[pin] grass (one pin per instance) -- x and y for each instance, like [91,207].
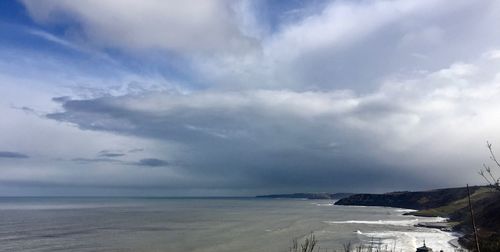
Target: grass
[449,209]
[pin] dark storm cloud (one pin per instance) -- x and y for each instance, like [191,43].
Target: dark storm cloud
[9,154]
[28,109]
[135,150]
[61,99]
[94,160]
[248,139]
[110,154]
[152,162]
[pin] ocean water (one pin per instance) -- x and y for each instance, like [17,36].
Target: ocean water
[203,224]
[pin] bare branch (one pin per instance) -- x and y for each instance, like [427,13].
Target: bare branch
[481,172]
[492,157]
[487,172]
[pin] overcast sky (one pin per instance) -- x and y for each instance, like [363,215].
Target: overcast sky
[222,97]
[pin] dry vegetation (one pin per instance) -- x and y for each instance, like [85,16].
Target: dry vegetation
[487,173]
[310,244]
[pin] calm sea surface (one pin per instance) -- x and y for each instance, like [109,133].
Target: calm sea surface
[165,224]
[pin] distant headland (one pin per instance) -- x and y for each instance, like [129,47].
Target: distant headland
[307,196]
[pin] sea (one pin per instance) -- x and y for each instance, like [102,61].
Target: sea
[206,225]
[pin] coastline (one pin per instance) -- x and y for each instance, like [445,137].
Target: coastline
[444,226]
[452,203]
[404,232]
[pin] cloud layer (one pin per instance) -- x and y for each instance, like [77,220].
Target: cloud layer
[170,25]
[246,97]
[309,135]
[9,154]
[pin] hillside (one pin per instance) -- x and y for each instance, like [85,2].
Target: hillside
[451,203]
[411,200]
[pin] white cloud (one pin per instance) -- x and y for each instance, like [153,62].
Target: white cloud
[341,23]
[344,45]
[172,25]
[493,54]
[353,45]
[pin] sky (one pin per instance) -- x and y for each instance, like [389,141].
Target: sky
[246,97]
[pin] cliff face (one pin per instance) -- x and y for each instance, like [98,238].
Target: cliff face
[411,200]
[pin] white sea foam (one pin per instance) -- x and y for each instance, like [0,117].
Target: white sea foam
[378,222]
[410,240]
[403,210]
[404,240]
[408,222]
[323,204]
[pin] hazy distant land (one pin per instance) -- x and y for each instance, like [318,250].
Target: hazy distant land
[307,196]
